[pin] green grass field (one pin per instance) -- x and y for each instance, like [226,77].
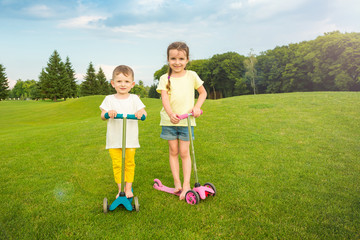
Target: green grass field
[286,166]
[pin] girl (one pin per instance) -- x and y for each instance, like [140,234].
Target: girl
[178,97]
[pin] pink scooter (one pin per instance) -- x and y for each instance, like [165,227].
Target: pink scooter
[198,192]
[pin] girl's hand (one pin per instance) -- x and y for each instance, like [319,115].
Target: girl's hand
[139,113]
[112,113]
[174,118]
[196,112]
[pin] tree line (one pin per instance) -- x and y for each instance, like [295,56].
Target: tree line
[328,63]
[57,81]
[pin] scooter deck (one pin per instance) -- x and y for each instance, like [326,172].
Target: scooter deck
[159,186]
[126,202]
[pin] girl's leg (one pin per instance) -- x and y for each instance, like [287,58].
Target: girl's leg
[186,165]
[174,163]
[129,171]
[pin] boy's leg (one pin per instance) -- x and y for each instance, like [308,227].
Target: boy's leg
[186,165]
[129,171]
[174,163]
[116,156]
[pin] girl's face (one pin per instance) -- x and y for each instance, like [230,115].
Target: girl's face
[177,61]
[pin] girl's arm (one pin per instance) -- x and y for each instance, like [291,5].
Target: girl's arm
[201,99]
[166,104]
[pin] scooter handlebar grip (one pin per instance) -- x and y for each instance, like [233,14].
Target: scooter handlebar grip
[129,116]
[183,116]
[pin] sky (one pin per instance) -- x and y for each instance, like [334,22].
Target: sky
[136,33]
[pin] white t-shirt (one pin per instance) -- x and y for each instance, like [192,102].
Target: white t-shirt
[114,126]
[181,96]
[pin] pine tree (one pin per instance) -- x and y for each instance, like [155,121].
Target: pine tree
[71,90]
[53,79]
[90,85]
[103,84]
[4,84]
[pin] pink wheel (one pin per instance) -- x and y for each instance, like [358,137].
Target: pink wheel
[210,185]
[192,197]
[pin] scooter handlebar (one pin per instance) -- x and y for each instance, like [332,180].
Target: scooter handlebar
[183,116]
[128,116]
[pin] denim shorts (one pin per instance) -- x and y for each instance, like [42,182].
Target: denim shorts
[175,132]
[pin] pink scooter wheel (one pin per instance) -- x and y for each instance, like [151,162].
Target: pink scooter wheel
[192,197]
[210,185]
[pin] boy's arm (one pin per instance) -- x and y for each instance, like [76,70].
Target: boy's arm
[166,103]
[103,114]
[201,99]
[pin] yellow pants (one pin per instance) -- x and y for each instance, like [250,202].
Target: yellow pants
[116,156]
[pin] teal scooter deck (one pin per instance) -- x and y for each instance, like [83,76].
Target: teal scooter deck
[126,202]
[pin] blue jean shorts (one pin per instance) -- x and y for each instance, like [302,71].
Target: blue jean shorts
[175,132]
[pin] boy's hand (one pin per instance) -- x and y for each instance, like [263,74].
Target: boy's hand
[112,113]
[139,113]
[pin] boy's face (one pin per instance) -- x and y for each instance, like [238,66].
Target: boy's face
[122,84]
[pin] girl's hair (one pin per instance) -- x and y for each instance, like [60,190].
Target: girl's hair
[180,46]
[126,70]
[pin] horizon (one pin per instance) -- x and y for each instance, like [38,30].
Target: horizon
[137,33]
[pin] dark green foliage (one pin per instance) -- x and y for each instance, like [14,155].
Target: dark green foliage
[103,83]
[328,63]
[152,92]
[90,85]
[57,79]
[71,87]
[4,85]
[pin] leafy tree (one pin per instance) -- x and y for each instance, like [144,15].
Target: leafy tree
[4,84]
[26,89]
[160,72]
[18,90]
[139,89]
[152,92]
[249,64]
[224,70]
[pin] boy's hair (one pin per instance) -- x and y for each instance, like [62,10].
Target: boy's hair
[126,70]
[180,46]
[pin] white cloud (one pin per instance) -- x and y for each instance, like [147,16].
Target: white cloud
[88,22]
[41,11]
[153,30]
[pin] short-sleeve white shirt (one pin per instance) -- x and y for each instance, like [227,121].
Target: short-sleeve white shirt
[181,96]
[115,126]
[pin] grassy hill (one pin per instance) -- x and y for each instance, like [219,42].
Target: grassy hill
[286,166]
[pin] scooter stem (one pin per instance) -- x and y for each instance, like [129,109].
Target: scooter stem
[123,154]
[192,148]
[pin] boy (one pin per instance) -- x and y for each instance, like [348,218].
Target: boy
[124,103]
